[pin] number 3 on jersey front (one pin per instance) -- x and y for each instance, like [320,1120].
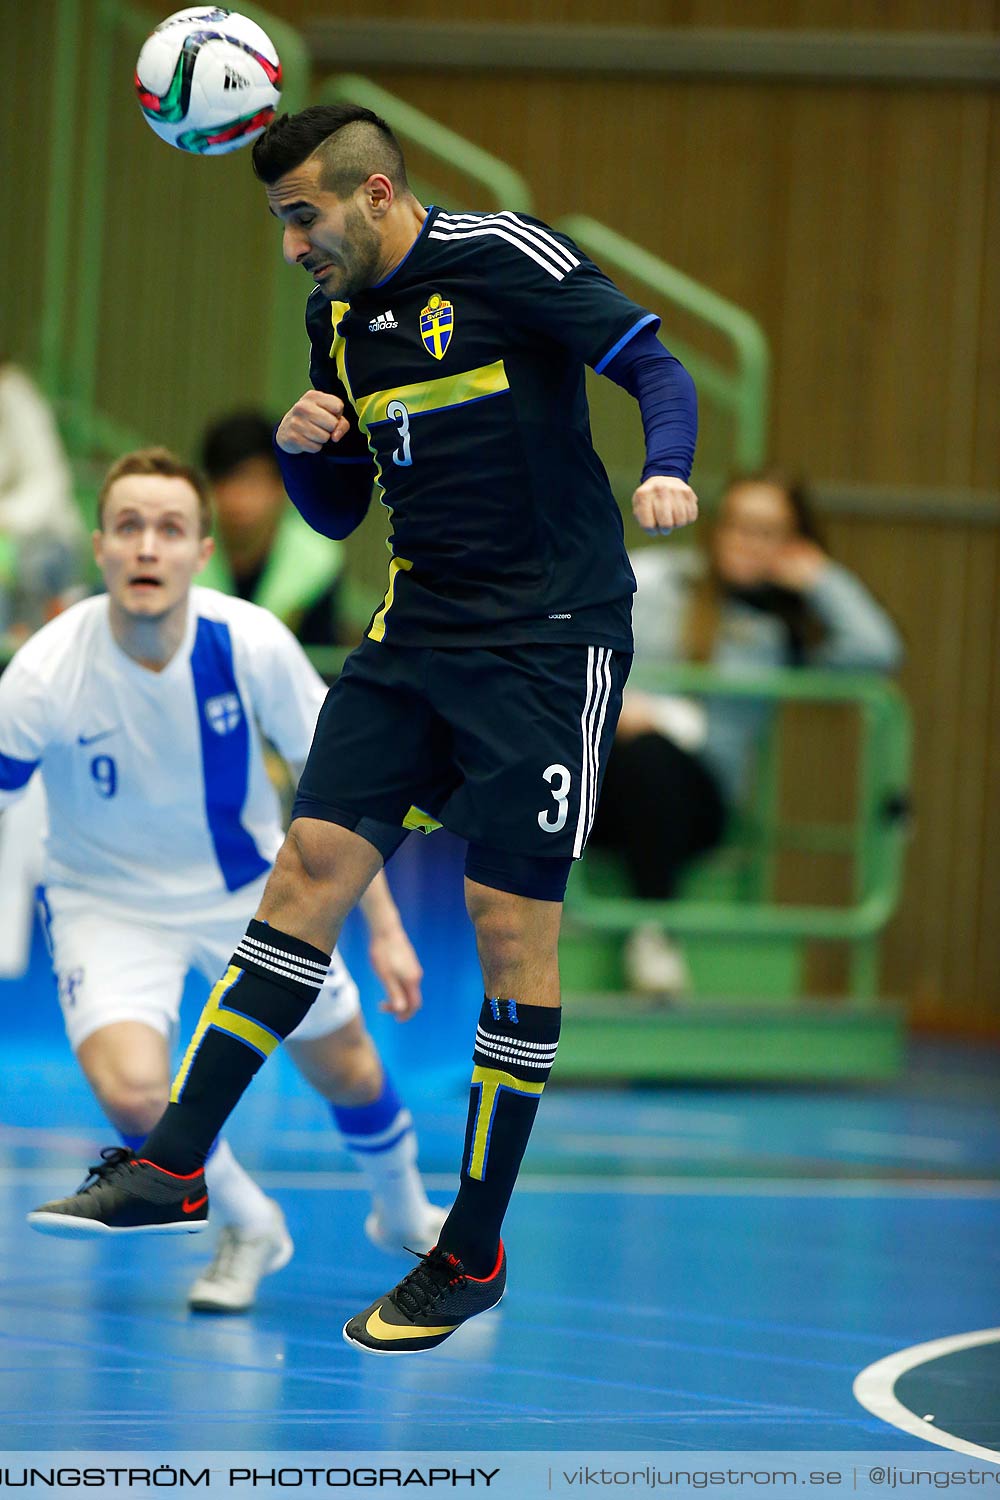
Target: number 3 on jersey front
[397,412]
[553,820]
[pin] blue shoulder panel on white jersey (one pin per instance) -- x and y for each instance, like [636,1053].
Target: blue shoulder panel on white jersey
[225,753]
[15,773]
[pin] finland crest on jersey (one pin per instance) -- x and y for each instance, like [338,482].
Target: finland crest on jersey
[437,324]
[224,712]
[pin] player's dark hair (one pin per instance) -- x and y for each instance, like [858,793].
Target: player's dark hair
[356,142]
[158,461]
[235,439]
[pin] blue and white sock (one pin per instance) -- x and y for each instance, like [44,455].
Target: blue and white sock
[383,1143]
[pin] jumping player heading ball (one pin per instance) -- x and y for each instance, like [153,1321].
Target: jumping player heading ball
[448,358]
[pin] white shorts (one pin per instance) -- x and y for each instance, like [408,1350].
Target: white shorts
[118,965]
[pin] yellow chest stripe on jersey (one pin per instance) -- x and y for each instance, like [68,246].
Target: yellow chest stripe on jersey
[433,395]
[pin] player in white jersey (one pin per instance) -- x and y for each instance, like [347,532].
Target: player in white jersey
[144,711]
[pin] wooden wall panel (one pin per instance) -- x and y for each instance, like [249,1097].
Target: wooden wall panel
[818,15]
[987,356]
[24,109]
[942,584]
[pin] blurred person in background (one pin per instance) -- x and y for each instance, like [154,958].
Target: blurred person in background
[766,595]
[41,532]
[265,551]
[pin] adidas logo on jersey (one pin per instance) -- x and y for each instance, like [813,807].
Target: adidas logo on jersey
[383,321]
[234,80]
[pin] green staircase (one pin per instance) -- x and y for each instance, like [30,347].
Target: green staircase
[748,1015]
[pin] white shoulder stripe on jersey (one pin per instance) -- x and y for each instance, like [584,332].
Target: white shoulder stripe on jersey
[501,234]
[532,232]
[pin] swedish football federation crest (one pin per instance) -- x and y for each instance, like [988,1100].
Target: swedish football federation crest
[437,323]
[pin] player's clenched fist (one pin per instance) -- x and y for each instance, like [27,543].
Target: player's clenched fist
[316,418]
[661,504]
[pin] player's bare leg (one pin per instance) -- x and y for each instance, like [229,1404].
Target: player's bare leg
[320,874]
[518,944]
[127,1065]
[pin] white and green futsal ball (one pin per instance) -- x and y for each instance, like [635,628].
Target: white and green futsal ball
[208,80]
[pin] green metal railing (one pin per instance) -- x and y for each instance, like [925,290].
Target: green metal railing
[499,181]
[742,390]
[876,838]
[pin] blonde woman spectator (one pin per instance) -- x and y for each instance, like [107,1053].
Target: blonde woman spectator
[767,595]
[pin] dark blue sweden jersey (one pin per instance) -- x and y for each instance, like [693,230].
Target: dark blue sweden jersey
[463,374]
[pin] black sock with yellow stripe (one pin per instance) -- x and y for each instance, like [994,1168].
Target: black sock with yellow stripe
[270,983]
[514,1053]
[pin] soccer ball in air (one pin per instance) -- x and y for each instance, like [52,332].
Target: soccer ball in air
[208,80]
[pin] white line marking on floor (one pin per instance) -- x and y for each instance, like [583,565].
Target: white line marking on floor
[874,1389]
[883,1143]
[655,1187]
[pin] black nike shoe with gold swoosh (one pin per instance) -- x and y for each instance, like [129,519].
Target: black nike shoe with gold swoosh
[427,1306]
[123,1194]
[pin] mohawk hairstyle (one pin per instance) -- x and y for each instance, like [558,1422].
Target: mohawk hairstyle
[353,142]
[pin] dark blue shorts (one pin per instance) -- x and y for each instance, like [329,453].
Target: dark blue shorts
[506,747]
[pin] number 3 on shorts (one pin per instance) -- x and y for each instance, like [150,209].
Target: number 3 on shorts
[553,820]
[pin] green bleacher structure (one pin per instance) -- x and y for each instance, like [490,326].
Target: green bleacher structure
[745,947]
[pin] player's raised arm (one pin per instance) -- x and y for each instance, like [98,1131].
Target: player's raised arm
[666,395]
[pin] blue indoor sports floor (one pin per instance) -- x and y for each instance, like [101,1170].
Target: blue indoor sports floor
[690,1269]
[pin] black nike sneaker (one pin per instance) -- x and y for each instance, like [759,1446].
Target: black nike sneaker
[427,1306]
[124,1195]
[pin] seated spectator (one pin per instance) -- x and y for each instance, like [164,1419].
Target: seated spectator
[265,552]
[766,596]
[41,530]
